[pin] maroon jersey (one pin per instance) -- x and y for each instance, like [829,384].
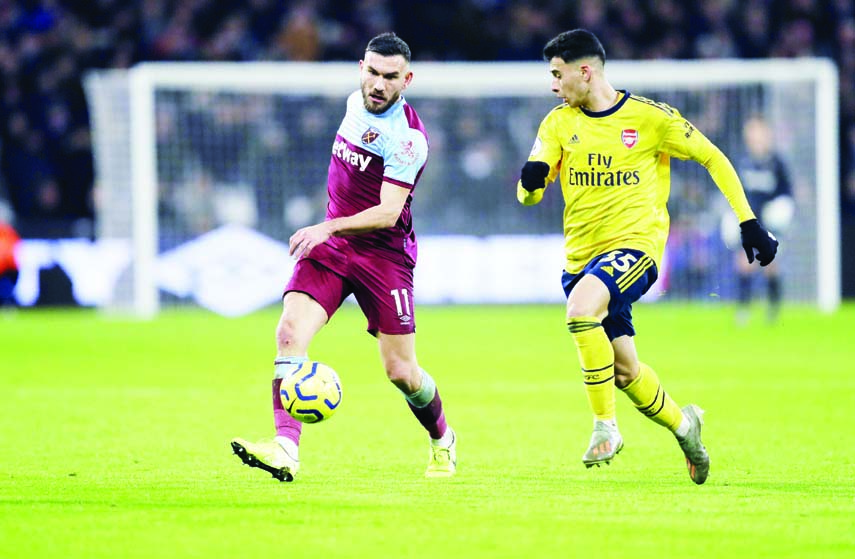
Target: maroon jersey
[368,150]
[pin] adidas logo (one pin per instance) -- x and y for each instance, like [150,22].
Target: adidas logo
[574,139]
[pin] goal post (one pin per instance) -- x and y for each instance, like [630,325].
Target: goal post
[200,146]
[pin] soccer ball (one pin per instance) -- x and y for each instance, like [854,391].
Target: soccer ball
[312,393]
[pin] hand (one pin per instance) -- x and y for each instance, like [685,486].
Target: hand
[754,237]
[533,175]
[307,238]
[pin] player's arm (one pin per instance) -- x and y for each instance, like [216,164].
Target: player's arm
[383,215]
[542,166]
[532,183]
[756,241]
[683,140]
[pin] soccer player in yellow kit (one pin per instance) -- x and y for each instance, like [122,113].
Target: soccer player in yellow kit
[611,151]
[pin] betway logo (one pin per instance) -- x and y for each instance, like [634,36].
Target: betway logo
[341,150]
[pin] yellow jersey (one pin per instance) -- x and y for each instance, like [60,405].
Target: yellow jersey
[615,174]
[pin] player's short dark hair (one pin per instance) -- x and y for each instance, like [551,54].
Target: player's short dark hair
[573,45]
[389,44]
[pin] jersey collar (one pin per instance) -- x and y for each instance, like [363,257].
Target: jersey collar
[611,110]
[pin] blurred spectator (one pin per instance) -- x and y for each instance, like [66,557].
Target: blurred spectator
[752,29]
[299,37]
[716,38]
[533,27]
[46,46]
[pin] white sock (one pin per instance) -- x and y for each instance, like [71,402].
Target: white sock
[445,440]
[289,446]
[284,367]
[610,422]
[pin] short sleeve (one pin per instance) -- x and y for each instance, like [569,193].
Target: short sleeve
[405,157]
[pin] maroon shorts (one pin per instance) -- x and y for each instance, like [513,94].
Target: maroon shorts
[383,288]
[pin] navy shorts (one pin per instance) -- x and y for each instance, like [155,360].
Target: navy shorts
[628,274]
[383,288]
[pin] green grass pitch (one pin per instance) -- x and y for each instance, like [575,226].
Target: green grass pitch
[114,440]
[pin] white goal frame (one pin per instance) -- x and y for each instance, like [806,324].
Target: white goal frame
[475,80]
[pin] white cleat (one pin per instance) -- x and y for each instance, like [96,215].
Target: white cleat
[268,456]
[697,459]
[606,442]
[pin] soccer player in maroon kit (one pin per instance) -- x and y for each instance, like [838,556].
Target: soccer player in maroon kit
[366,246]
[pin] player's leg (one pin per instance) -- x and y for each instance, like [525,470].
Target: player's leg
[638,380]
[384,291]
[418,387]
[302,317]
[397,352]
[587,306]
[609,285]
[311,297]
[300,320]
[650,398]
[641,384]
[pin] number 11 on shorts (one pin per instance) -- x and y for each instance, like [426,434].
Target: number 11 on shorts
[400,296]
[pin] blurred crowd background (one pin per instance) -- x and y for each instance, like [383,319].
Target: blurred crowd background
[46,46]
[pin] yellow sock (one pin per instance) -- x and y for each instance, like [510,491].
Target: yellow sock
[650,398]
[597,359]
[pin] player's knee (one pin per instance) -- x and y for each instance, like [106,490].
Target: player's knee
[625,373]
[403,374]
[579,308]
[286,334]
[574,313]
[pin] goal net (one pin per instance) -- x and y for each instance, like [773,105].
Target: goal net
[206,169]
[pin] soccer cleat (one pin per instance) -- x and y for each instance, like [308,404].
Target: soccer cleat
[697,459]
[268,456]
[443,459]
[606,442]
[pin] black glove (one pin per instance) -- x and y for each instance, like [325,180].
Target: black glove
[533,175]
[755,237]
